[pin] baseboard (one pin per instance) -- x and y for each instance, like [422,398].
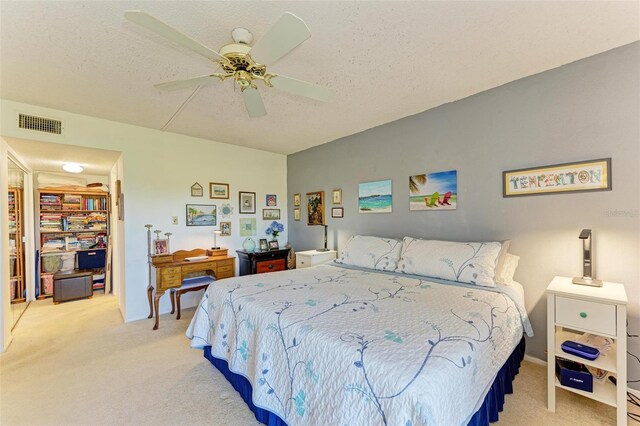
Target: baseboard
[535,360]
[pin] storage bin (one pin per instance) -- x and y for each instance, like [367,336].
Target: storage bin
[58,262]
[574,375]
[91,259]
[47,283]
[72,286]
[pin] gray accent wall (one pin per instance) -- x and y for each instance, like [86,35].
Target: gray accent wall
[585,110]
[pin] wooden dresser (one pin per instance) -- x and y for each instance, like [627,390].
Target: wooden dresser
[259,262]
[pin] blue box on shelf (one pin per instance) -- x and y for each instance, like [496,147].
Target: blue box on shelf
[574,375]
[91,259]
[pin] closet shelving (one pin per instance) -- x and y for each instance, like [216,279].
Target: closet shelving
[16,253]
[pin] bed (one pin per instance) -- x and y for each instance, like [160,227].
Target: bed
[338,344]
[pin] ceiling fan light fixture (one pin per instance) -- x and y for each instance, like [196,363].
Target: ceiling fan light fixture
[242,35]
[72,167]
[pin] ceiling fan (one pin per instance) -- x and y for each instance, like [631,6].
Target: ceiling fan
[241,61]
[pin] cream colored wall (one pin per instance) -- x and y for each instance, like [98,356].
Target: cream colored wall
[158,171]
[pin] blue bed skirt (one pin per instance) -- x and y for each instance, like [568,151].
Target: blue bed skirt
[488,412]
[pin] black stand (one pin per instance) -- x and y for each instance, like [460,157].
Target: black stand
[325,239]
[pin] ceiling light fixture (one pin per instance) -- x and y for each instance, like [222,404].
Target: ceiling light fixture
[72,167]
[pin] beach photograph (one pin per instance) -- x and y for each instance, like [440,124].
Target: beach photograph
[375,197]
[433,191]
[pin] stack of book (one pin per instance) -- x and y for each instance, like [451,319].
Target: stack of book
[72,202]
[96,203]
[76,222]
[50,222]
[87,240]
[50,202]
[97,221]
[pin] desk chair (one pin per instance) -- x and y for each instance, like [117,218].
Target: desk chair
[188,284]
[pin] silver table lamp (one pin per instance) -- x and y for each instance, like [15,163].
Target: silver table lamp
[587,262]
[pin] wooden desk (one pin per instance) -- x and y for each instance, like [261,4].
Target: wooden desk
[172,269]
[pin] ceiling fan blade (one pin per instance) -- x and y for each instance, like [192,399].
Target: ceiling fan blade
[157,26]
[204,80]
[302,88]
[287,33]
[253,102]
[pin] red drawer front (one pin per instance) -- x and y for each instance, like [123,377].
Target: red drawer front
[270,266]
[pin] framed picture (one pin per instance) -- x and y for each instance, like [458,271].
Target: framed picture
[263,244]
[196,190]
[273,245]
[315,208]
[296,199]
[219,190]
[270,214]
[160,246]
[201,215]
[271,200]
[594,175]
[247,202]
[296,213]
[248,227]
[225,229]
[433,191]
[375,197]
[337,212]
[336,196]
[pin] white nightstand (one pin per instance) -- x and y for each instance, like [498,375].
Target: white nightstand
[596,310]
[304,259]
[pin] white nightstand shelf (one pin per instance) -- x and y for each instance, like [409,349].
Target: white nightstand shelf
[572,309]
[305,259]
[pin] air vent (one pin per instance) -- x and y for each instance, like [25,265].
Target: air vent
[40,124]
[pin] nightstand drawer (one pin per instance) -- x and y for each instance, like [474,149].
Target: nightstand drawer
[585,315]
[270,266]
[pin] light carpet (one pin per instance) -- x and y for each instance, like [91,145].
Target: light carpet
[76,363]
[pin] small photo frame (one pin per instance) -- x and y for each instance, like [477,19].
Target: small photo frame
[297,199]
[247,202]
[271,200]
[197,190]
[160,246]
[296,213]
[263,244]
[270,214]
[337,212]
[225,229]
[273,245]
[336,196]
[219,190]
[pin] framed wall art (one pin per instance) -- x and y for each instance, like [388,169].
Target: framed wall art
[315,208]
[296,213]
[271,200]
[433,191]
[201,215]
[247,202]
[594,175]
[197,190]
[225,229]
[296,199]
[337,212]
[219,190]
[336,196]
[248,227]
[270,214]
[375,197]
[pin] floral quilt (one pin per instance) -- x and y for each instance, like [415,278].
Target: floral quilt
[330,345]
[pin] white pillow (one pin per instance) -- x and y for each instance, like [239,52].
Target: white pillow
[509,266]
[473,263]
[371,252]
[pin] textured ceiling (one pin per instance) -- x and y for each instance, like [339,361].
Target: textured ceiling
[386,60]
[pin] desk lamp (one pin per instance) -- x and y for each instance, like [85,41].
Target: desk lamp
[216,232]
[587,262]
[325,238]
